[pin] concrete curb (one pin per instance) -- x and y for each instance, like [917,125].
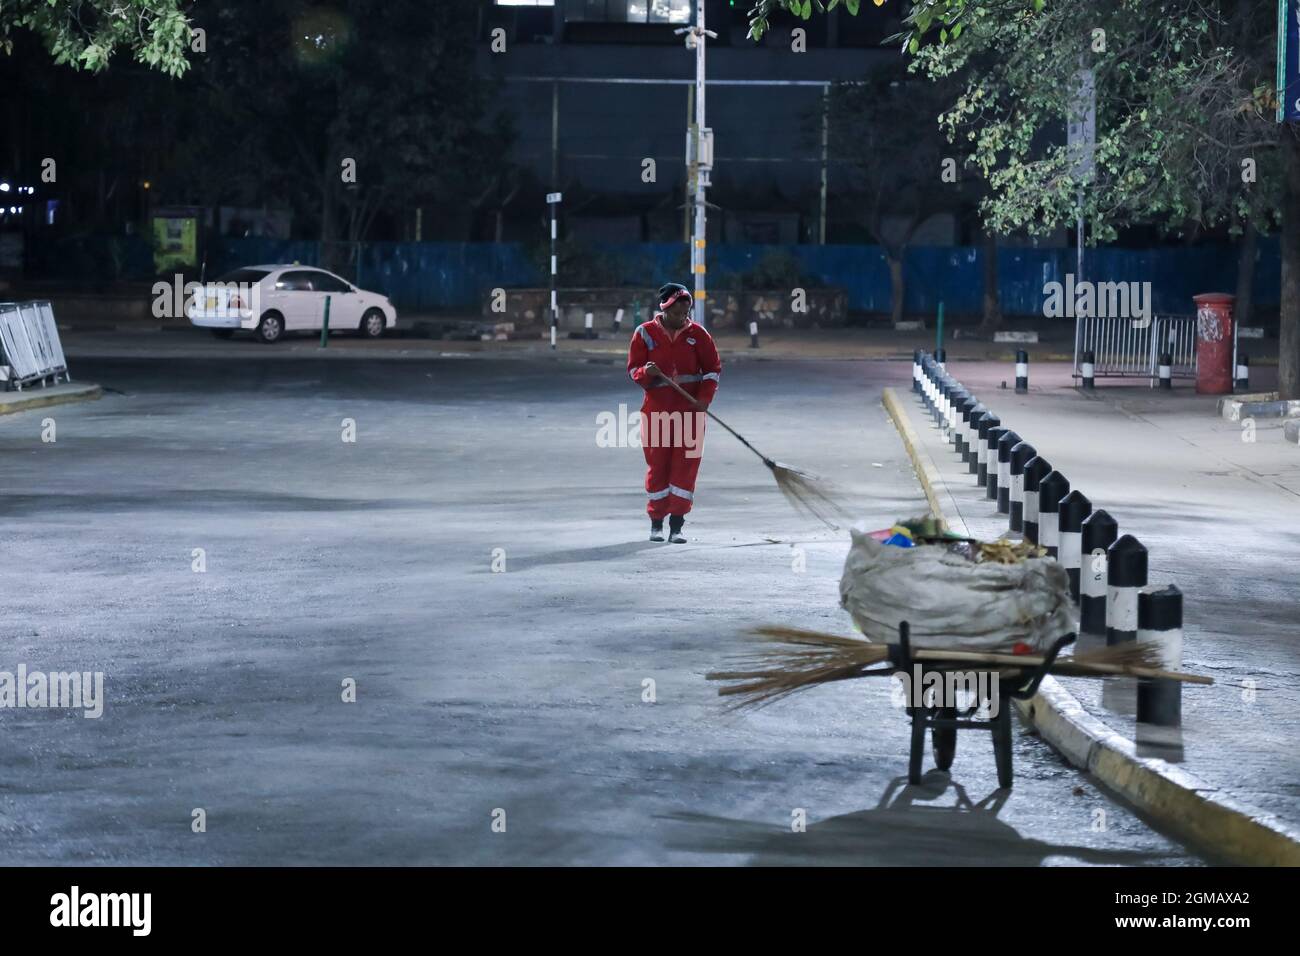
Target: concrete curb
[936,492]
[1263,405]
[41,398]
[1178,800]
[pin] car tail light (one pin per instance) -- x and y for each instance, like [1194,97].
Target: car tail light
[235,302]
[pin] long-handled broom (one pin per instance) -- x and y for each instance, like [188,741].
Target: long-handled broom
[805,492]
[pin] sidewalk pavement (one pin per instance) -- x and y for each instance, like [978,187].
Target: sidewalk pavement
[1218,508]
[838,343]
[38,397]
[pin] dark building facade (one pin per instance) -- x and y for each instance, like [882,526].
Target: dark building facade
[596,89]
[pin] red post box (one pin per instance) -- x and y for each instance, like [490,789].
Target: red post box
[1214,343]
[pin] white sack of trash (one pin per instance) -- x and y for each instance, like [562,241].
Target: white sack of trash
[951,601]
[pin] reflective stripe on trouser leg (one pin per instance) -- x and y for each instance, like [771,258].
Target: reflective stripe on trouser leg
[658,468]
[683,469]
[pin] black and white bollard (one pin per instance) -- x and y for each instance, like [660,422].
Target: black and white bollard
[753,335]
[1160,622]
[1166,370]
[1022,371]
[946,389]
[927,371]
[618,321]
[1020,456]
[917,355]
[1099,532]
[1036,469]
[941,358]
[1074,508]
[961,419]
[1126,575]
[589,325]
[1243,372]
[955,398]
[1002,485]
[971,435]
[1051,490]
[987,424]
[1088,370]
[991,461]
[977,416]
[961,407]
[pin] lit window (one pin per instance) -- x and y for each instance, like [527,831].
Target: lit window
[670,11]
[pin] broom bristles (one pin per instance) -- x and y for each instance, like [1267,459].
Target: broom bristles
[810,494]
[816,657]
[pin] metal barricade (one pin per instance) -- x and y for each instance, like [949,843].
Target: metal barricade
[29,343]
[1175,334]
[1127,348]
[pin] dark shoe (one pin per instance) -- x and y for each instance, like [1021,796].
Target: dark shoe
[657,530]
[675,523]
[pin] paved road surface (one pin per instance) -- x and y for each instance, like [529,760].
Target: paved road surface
[477,691]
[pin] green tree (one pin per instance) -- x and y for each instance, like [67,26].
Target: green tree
[354,109]
[84,34]
[1185,117]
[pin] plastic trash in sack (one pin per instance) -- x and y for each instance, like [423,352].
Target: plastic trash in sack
[951,601]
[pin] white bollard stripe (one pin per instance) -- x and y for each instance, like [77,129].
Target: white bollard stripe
[1022,370]
[1122,608]
[1092,580]
[1031,507]
[1018,488]
[1087,370]
[1170,643]
[1049,532]
[1004,474]
[1068,551]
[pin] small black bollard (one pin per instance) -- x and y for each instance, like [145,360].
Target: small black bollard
[1022,371]
[991,461]
[1126,575]
[1074,508]
[987,423]
[1160,622]
[1243,372]
[1088,369]
[1166,370]
[1099,532]
[1036,469]
[917,355]
[1002,480]
[977,416]
[1051,490]
[753,335]
[1020,456]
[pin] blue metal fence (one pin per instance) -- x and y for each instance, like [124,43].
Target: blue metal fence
[459,275]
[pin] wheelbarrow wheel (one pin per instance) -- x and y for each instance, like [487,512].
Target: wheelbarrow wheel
[944,739]
[1002,744]
[917,753]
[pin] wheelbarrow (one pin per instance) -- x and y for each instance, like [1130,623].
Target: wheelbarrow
[943,720]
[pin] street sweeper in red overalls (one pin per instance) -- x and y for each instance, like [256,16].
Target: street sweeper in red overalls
[671,346]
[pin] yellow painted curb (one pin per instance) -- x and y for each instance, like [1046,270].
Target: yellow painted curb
[922,464]
[44,399]
[1213,822]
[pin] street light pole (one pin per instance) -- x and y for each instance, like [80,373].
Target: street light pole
[699,155]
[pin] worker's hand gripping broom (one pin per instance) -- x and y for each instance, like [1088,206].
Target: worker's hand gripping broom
[805,492]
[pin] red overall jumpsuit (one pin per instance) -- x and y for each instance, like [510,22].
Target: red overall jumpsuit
[672,430]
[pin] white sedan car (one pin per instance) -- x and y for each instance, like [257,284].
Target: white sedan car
[273,300]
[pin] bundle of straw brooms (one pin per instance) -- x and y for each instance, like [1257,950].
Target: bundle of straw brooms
[794,660]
